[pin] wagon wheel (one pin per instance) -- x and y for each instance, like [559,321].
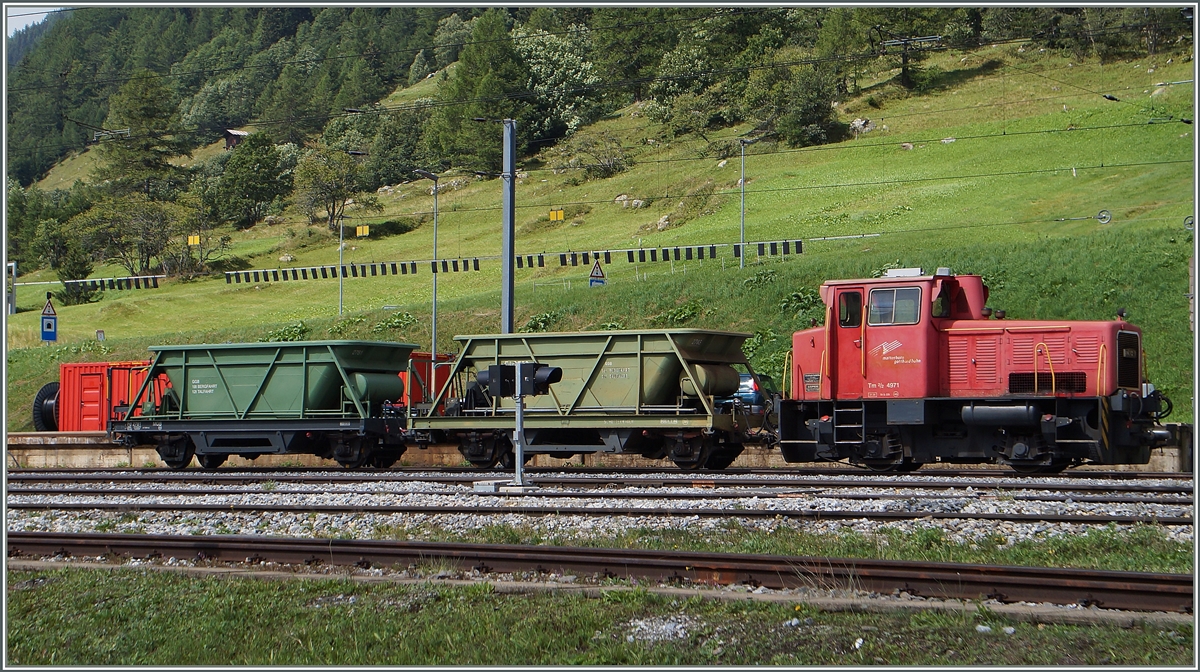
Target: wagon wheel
[384,459]
[486,451]
[178,453]
[509,459]
[696,455]
[353,462]
[722,457]
[353,455]
[211,462]
[45,408]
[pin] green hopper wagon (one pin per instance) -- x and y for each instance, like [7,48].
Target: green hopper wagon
[328,398]
[655,393]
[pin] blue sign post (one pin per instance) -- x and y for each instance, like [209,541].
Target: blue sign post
[49,322]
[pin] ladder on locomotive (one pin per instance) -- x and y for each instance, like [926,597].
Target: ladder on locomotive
[848,421]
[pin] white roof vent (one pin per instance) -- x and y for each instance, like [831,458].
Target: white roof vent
[902,273]
[943,270]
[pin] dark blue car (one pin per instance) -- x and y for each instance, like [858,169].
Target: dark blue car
[750,395]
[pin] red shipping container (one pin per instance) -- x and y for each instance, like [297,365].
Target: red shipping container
[88,391]
[424,387]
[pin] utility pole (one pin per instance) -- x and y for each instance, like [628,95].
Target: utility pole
[341,269]
[508,221]
[433,319]
[11,286]
[509,224]
[742,256]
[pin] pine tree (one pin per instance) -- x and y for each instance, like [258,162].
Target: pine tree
[140,161]
[489,72]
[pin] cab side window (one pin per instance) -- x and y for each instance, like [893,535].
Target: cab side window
[850,309]
[895,306]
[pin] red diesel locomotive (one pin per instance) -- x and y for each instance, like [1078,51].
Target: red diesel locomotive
[912,369]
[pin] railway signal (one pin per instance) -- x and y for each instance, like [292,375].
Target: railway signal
[525,379]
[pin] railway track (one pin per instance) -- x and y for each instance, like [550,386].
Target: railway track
[1107,589]
[619,494]
[476,473]
[663,512]
[660,481]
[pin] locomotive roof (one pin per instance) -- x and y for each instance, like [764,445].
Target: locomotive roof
[902,280]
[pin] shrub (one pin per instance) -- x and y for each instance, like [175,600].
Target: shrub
[394,227]
[680,314]
[541,322]
[341,326]
[292,332]
[397,321]
[800,301]
[762,278]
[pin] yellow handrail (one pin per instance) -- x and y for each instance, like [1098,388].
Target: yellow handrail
[1101,379]
[1035,367]
[786,379]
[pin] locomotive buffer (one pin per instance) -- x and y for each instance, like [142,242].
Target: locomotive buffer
[517,381]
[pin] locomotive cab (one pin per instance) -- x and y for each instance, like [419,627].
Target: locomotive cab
[912,368]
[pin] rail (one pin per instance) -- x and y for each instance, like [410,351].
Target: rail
[1107,589]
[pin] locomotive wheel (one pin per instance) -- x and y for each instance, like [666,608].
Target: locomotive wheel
[724,456]
[1055,467]
[893,467]
[179,453]
[45,408]
[1052,468]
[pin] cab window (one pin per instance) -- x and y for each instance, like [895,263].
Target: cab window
[895,306]
[850,309]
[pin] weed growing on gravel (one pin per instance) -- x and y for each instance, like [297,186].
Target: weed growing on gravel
[1138,548]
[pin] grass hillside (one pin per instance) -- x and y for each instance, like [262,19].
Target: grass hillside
[999,170]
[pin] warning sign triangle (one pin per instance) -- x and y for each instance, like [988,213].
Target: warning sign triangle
[597,272]
[49,309]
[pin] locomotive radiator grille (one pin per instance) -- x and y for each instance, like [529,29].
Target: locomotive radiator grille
[1129,354]
[1067,381]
